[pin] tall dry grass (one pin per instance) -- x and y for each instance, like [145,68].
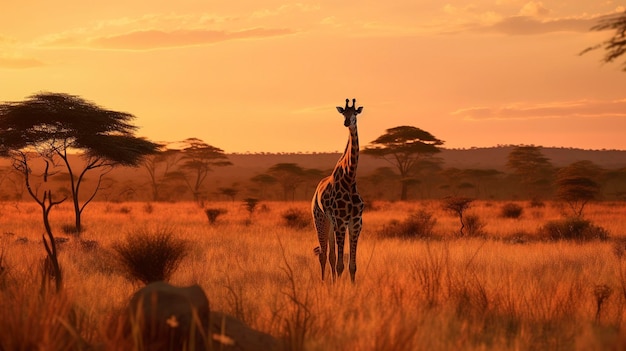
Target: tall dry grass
[439,294]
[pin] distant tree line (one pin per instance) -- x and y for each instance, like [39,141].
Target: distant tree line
[187,170]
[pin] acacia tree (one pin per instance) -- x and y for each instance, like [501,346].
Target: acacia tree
[458,205]
[263,181]
[160,169]
[616,45]
[533,169]
[198,159]
[404,147]
[51,126]
[290,176]
[577,184]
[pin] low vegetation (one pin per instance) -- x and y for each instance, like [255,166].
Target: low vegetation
[440,292]
[150,255]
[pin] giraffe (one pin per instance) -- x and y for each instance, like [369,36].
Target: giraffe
[337,206]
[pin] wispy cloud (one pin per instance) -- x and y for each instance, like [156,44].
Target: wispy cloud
[158,39]
[162,31]
[528,25]
[19,62]
[563,109]
[284,9]
[532,18]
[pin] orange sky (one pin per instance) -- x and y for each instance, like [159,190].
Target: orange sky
[266,75]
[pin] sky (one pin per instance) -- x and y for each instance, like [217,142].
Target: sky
[266,75]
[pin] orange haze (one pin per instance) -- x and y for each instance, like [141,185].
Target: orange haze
[267,75]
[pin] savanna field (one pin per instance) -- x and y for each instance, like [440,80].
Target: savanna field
[505,285]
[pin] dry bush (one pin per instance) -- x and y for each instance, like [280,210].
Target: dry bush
[511,210]
[296,218]
[213,213]
[418,225]
[474,225]
[150,256]
[572,228]
[537,203]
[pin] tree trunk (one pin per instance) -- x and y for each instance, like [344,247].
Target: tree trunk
[404,191]
[77,225]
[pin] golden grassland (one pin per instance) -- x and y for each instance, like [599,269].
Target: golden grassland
[441,294]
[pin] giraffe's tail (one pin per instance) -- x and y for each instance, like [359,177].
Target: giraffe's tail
[317,251]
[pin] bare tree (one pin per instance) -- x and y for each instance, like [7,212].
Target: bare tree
[44,198]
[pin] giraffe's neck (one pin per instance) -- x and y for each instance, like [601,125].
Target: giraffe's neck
[346,166]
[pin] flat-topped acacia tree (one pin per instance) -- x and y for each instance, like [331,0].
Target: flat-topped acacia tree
[404,147]
[52,126]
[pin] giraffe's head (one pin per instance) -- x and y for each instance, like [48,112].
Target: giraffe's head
[349,112]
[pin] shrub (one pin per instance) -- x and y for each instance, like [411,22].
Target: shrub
[250,204]
[537,203]
[511,210]
[418,225]
[474,225]
[295,218]
[213,213]
[148,208]
[150,256]
[572,228]
[70,229]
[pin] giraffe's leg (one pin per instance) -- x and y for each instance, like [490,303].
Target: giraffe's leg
[354,238]
[340,235]
[321,226]
[355,230]
[331,257]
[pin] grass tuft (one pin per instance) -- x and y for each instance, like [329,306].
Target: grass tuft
[150,256]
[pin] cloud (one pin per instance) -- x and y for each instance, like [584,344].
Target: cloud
[287,8]
[532,18]
[158,39]
[162,31]
[19,62]
[527,25]
[534,9]
[562,109]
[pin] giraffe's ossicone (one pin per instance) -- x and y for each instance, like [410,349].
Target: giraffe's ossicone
[337,206]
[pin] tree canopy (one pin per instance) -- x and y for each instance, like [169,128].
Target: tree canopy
[533,169]
[578,183]
[60,122]
[199,158]
[403,147]
[290,176]
[49,125]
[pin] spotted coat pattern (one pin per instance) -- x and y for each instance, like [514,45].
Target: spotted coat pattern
[337,206]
